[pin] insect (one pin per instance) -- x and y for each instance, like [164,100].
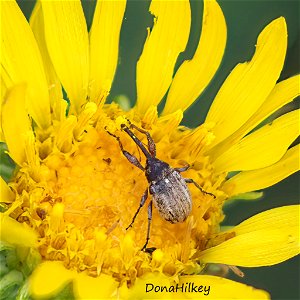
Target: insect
[168,188]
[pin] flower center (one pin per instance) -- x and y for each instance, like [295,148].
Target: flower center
[85,199]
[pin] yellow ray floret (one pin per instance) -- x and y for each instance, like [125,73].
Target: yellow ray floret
[249,84]
[194,75]
[104,46]
[84,287]
[67,41]
[205,287]
[15,233]
[265,239]
[55,89]
[21,62]
[221,288]
[263,147]
[16,128]
[57,277]
[283,93]
[6,194]
[248,181]
[164,43]
[64,136]
[102,287]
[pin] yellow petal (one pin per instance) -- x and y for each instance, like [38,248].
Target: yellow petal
[194,75]
[167,124]
[3,92]
[32,156]
[151,115]
[16,233]
[4,83]
[101,287]
[265,239]
[7,195]
[214,287]
[49,278]
[104,47]
[84,119]
[55,89]
[67,41]
[154,286]
[263,147]
[164,43]
[249,84]
[259,179]
[65,135]
[21,61]
[15,122]
[283,93]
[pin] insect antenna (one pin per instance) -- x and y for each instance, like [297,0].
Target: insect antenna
[136,140]
[139,152]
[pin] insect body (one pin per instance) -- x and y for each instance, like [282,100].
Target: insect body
[168,188]
[169,192]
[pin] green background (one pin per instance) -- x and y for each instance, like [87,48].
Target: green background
[245,19]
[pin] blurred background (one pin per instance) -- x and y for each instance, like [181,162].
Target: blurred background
[245,20]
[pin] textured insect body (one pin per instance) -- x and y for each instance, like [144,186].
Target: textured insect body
[169,191]
[168,188]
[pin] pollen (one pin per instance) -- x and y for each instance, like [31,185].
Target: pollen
[85,198]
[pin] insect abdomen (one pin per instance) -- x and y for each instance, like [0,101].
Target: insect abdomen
[172,198]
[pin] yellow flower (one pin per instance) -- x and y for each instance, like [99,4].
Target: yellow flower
[74,193]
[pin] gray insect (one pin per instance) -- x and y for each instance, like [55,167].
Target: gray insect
[168,188]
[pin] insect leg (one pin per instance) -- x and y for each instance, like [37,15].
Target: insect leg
[132,159]
[149,224]
[189,180]
[185,168]
[151,144]
[143,200]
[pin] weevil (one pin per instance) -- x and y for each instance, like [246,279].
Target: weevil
[168,188]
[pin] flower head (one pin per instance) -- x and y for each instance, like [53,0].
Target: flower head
[75,189]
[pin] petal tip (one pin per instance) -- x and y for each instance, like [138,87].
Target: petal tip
[280,24]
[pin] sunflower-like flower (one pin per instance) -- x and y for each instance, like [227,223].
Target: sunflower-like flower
[73,193]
